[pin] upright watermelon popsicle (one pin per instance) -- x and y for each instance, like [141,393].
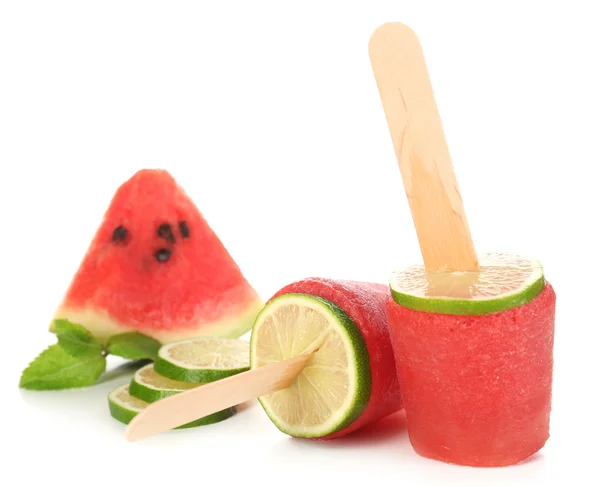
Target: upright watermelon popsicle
[474,357]
[473,338]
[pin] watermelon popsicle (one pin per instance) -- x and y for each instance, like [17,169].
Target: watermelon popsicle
[473,339]
[322,365]
[350,380]
[477,385]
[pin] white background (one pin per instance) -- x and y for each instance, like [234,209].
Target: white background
[269,116]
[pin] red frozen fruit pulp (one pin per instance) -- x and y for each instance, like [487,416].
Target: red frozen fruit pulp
[155,266]
[365,304]
[476,389]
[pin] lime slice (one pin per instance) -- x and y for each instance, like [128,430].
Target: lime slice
[203,359]
[124,407]
[504,281]
[148,385]
[335,385]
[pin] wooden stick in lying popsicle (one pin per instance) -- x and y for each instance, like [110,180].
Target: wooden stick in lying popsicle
[421,149]
[207,399]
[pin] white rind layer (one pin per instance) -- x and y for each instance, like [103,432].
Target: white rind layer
[102,326]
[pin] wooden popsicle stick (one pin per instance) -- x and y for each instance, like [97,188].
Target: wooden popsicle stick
[421,150]
[207,399]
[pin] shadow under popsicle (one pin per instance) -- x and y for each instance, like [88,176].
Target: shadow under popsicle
[388,434]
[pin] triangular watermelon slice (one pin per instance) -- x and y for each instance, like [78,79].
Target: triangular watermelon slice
[155,266]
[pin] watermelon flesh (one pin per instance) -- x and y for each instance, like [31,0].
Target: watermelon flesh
[476,389]
[155,266]
[365,304]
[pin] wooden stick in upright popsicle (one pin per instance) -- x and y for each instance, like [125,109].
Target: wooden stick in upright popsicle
[421,150]
[190,405]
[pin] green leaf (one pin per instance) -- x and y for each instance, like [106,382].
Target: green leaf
[55,368]
[75,339]
[133,346]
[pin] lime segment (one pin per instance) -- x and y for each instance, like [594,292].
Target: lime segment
[504,281]
[148,385]
[203,359]
[335,385]
[124,407]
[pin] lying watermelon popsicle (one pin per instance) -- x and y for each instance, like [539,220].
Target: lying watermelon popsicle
[473,339]
[350,381]
[322,365]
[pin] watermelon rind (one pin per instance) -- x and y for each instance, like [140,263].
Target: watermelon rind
[102,326]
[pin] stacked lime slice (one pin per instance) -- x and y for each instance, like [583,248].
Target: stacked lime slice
[203,359]
[181,366]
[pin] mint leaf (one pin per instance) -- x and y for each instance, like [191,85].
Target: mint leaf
[133,346]
[75,339]
[55,368]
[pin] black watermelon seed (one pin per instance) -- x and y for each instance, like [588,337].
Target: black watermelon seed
[120,234]
[184,229]
[162,255]
[165,231]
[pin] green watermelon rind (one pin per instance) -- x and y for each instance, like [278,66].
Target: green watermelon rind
[223,329]
[125,415]
[360,362]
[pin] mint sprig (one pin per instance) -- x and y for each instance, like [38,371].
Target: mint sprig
[78,359]
[55,368]
[133,346]
[75,339]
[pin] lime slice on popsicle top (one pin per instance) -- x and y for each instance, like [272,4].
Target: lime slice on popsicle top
[504,281]
[335,385]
